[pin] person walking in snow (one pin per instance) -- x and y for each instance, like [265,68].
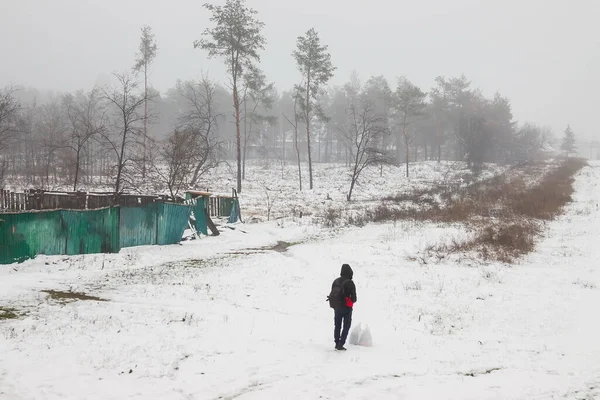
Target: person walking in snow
[342,299]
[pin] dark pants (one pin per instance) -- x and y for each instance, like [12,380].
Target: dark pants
[342,314]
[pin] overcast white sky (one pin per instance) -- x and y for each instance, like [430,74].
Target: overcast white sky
[543,54]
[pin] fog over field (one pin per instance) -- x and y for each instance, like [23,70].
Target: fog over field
[440,157]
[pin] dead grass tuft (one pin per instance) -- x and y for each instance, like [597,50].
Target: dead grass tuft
[507,241]
[8,313]
[332,217]
[64,297]
[419,196]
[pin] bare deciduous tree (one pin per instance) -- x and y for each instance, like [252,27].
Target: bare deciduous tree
[294,123]
[270,196]
[362,132]
[257,93]
[50,138]
[24,163]
[126,104]
[178,154]
[86,121]
[409,104]
[439,108]
[9,108]
[201,118]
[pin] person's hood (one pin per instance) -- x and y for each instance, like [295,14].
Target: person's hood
[346,272]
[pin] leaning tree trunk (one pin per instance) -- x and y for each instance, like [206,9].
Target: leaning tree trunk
[438,131]
[416,150]
[245,141]
[236,105]
[77,158]
[406,150]
[310,171]
[298,156]
[399,148]
[144,144]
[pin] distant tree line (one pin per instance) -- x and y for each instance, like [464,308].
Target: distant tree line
[127,136]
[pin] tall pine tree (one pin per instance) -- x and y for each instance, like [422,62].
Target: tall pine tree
[145,57]
[409,104]
[314,63]
[236,38]
[568,141]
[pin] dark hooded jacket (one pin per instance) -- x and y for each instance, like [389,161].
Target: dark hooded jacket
[349,287]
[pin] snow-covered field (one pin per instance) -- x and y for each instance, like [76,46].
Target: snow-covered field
[280,187]
[226,317]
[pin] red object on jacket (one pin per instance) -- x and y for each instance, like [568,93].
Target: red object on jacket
[349,302]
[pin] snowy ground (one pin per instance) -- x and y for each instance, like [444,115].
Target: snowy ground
[222,318]
[331,185]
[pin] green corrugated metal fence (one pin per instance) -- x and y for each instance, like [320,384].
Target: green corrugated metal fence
[24,235]
[172,220]
[234,216]
[201,224]
[92,231]
[156,223]
[225,206]
[137,226]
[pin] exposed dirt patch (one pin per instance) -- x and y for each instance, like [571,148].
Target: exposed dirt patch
[280,247]
[65,297]
[8,313]
[246,252]
[482,372]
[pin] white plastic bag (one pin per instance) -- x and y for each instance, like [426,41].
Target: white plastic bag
[355,334]
[361,336]
[365,338]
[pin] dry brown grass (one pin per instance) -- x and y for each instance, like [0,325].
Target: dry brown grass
[513,235]
[546,200]
[8,313]
[497,241]
[61,296]
[482,199]
[419,196]
[505,211]
[506,241]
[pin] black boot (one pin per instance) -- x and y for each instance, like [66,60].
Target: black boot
[339,346]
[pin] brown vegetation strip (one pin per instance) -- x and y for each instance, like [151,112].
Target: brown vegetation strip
[70,296]
[506,211]
[546,200]
[8,313]
[514,234]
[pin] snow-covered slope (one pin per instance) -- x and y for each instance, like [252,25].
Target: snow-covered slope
[225,317]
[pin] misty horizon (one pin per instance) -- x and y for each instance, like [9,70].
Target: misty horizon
[541,55]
